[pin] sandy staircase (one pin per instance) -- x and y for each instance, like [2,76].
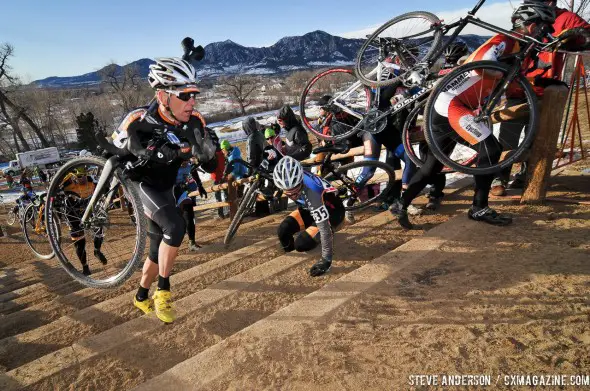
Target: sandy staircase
[69,337]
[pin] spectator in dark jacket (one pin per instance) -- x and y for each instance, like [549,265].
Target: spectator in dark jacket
[297,143]
[255,144]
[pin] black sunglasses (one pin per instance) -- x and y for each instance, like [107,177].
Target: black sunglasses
[184,96]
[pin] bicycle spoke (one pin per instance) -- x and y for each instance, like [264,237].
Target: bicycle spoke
[338,118]
[401,42]
[482,102]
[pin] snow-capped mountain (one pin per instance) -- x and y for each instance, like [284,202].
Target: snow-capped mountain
[312,50]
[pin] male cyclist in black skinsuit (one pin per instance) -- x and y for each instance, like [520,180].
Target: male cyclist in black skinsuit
[175,82]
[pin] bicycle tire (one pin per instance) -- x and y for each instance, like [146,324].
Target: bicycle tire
[437,37]
[530,96]
[245,205]
[140,227]
[27,228]
[406,136]
[359,165]
[303,99]
[10,217]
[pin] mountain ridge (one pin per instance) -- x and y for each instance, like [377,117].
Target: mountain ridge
[314,49]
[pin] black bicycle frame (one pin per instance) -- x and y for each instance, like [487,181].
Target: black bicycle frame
[470,19]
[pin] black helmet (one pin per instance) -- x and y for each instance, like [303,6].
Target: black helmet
[455,51]
[531,11]
[324,100]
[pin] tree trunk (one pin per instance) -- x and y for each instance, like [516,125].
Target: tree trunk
[14,124]
[21,113]
[15,142]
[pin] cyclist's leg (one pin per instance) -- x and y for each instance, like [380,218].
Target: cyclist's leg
[372,150]
[409,166]
[390,138]
[510,132]
[79,240]
[149,272]
[311,237]
[308,239]
[188,214]
[429,169]
[438,183]
[394,162]
[289,227]
[160,206]
[489,155]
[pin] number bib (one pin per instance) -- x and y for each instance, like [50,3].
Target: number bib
[320,214]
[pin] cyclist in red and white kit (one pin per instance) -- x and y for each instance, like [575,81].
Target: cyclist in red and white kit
[550,67]
[454,114]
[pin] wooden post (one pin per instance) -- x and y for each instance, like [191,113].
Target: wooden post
[121,199]
[232,197]
[545,144]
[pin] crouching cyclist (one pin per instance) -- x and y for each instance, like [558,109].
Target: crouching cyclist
[175,83]
[319,212]
[78,187]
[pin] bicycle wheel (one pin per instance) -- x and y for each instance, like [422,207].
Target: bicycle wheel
[35,232]
[512,122]
[11,217]
[246,205]
[396,47]
[414,139]
[112,240]
[359,184]
[413,135]
[346,91]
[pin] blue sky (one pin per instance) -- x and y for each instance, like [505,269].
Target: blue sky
[66,38]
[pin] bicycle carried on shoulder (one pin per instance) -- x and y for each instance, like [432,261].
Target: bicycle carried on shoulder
[425,31]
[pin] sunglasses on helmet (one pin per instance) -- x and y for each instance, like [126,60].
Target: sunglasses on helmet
[183,96]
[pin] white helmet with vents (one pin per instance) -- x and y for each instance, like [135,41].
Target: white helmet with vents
[171,72]
[288,173]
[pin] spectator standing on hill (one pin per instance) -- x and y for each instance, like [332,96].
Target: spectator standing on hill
[297,143]
[255,142]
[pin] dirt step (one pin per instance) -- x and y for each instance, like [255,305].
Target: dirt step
[233,354]
[96,346]
[48,310]
[14,277]
[25,347]
[62,284]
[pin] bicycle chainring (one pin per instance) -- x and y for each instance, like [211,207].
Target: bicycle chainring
[373,125]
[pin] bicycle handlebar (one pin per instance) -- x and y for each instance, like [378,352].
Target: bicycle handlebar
[110,148]
[255,170]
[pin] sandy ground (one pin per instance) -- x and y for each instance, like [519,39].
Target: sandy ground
[494,301]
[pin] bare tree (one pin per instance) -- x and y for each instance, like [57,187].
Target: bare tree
[9,99]
[240,89]
[294,84]
[580,7]
[125,83]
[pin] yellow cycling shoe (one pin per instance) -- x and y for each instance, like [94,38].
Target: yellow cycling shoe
[163,304]
[146,306]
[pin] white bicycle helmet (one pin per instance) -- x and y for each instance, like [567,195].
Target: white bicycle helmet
[533,12]
[171,72]
[288,173]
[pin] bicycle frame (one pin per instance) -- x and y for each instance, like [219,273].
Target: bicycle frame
[458,26]
[109,168]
